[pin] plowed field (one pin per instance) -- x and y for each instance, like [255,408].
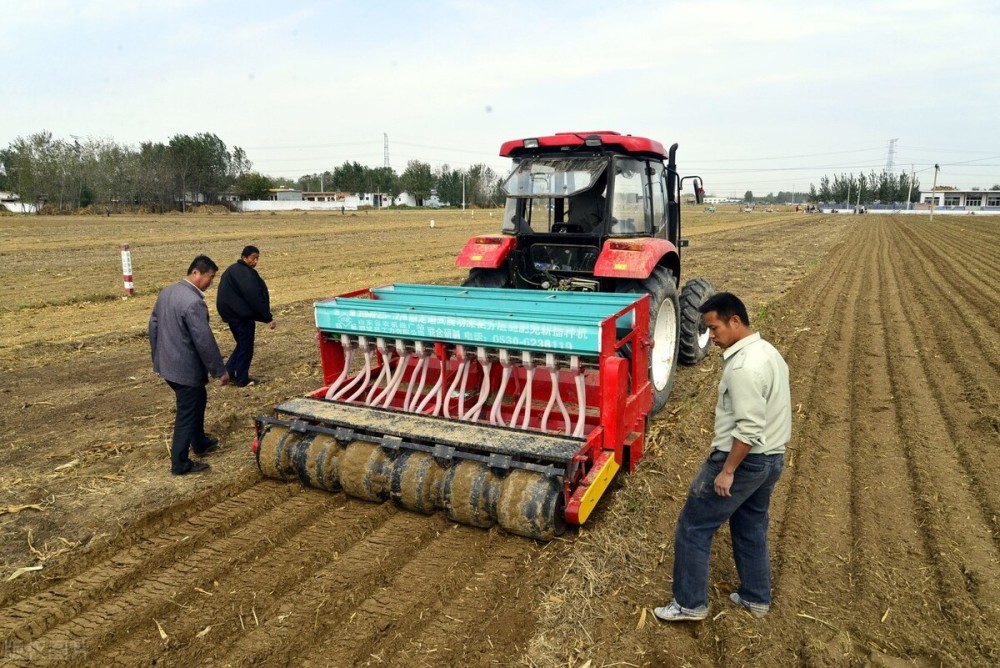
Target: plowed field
[885,531]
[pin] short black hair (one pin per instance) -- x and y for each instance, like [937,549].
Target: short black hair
[726,305]
[249,250]
[202,264]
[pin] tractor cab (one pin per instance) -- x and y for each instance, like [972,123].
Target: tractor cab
[585,211]
[595,197]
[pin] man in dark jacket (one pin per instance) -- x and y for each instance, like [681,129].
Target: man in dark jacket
[243,301]
[184,353]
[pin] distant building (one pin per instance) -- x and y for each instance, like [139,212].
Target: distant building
[290,199]
[12,202]
[284,195]
[967,200]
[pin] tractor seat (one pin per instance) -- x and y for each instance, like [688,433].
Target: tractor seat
[567,228]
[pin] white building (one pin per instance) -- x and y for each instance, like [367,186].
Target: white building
[962,200]
[12,202]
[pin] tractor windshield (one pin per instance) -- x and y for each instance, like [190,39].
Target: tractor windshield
[553,177]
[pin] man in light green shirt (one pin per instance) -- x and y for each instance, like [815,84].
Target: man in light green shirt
[753,424]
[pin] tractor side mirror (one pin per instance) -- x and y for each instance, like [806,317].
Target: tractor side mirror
[699,192]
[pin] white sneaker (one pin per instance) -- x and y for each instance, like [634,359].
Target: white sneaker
[673,612]
[758,610]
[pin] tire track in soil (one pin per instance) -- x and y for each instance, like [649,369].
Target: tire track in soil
[958,548]
[153,589]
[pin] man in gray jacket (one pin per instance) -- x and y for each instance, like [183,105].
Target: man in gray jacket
[184,354]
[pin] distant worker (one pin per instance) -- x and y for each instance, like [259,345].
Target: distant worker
[587,208]
[753,424]
[184,354]
[243,301]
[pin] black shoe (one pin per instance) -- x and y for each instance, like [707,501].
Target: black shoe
[208,445]
[190,467]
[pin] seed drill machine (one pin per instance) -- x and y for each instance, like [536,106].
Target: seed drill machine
[515,398]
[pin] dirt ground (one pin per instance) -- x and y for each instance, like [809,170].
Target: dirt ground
[885,533]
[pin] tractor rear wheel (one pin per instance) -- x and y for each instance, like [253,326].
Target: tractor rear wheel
[695,341]
[486,278]
[664,329]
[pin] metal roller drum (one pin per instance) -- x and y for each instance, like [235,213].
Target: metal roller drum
[531,504]
[523,502]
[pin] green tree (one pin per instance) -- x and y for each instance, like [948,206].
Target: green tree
[350,178]
[748,196]
[201,166]
[383,180]
[417,180]
[252,185]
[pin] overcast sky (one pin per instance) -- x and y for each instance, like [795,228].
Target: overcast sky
[764,95]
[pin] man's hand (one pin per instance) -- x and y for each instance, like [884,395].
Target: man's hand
[723,482]
[224,378]
[272,324]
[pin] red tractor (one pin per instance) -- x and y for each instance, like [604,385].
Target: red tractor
[599,212]
[515,399]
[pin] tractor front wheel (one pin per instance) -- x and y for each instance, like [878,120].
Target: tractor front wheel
[664,330]
[695,341]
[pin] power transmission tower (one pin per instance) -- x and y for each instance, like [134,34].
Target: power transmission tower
[890,161]
[385,137]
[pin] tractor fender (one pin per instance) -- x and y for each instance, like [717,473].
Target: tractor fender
[486,251]
[635,258]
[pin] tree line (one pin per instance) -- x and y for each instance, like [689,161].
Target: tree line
[63,175]
[479,185]
[872,188]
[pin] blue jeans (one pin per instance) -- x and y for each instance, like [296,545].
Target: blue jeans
[238,364]
[747,513]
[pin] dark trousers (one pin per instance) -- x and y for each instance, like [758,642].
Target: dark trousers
[238,364]
[189,425]
[747,513]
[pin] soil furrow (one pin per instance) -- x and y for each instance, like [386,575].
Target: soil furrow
[958,380]
[251,590]
[953,240]
[148,599]
[958,544]
[489,609]
[328,606]
[102,581]
[397,611]
[817,477]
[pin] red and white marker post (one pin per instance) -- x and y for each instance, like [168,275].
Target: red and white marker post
[127,270]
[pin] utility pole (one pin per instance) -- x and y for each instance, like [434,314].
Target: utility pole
[909,189]
[849,192]
[463,191]
[937,168]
